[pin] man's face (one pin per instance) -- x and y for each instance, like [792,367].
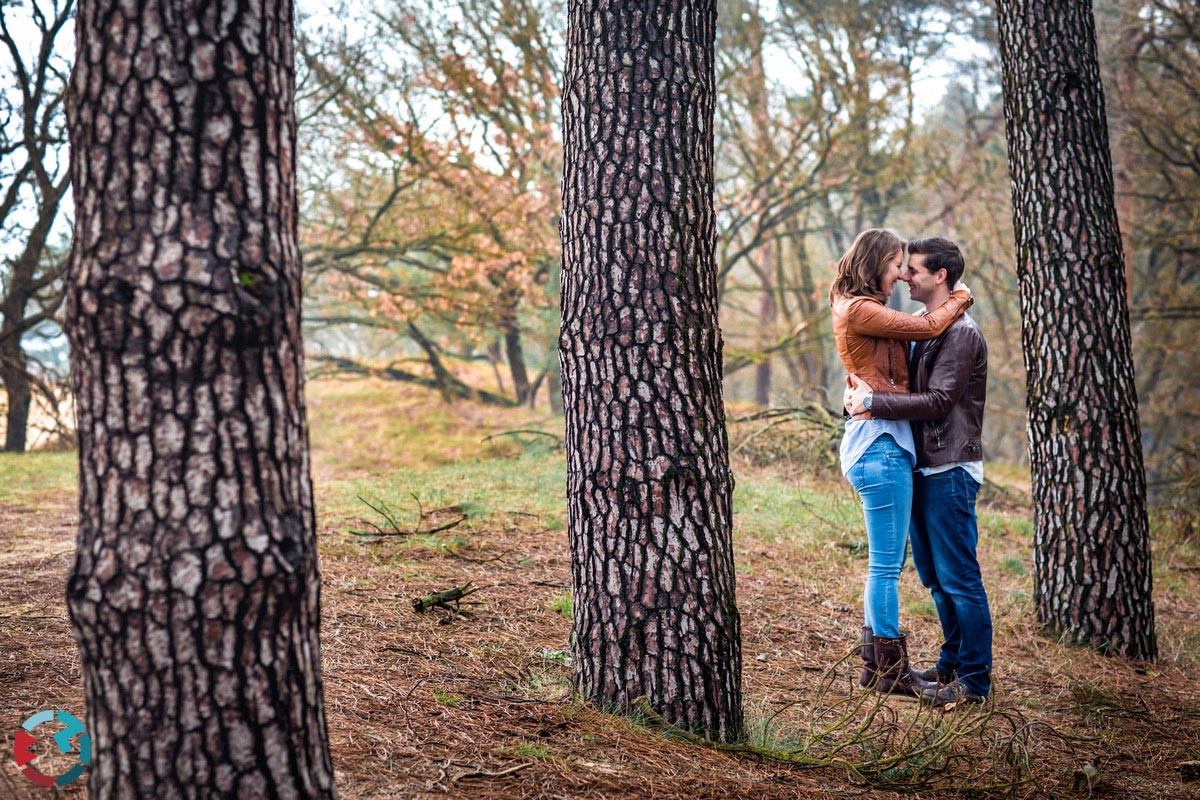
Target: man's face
[894,271]
[921,283]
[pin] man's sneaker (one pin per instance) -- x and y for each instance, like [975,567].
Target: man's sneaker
[932,675]
[952,694]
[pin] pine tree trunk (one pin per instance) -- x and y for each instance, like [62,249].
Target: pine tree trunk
[194,594]
[14,377]
[1091,541]
[648,482]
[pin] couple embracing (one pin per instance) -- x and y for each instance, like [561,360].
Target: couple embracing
[912,451]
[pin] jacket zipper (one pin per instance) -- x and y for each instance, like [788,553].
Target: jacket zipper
[891,372]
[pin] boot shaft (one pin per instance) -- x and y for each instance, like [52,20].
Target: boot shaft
[867,651]
[895,676]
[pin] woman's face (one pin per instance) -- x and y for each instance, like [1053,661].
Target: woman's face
[891,273]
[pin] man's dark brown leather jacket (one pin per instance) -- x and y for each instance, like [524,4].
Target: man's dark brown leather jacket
[948,378]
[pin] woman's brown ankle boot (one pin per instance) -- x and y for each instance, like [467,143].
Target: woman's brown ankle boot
[895,675]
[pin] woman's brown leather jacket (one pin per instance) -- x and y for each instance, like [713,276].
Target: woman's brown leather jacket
[872,338]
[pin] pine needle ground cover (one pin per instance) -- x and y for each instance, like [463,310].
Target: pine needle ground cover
[471,698]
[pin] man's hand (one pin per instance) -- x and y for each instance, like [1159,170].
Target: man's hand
[852,397]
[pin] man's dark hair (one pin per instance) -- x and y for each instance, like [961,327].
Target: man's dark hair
[940,254]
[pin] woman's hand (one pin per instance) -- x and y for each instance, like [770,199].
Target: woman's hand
[959,285]
[852,397]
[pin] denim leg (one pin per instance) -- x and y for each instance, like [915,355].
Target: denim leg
[948,515]
[923,560]
[883,479]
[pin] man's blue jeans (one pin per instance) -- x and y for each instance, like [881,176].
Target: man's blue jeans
[883,478]
[944,537]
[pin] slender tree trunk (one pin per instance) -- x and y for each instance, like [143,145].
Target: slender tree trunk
[23,283]
[808,300]
[14,376]
[761,117]
[446,383]
[767,332]
[1091,541]
[195,592]
[14,367]
[1129,43]
[554,392]
[516,361]
[493,357]
[648,482]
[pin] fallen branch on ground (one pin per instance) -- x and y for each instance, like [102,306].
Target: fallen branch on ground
[394,528]
[557,440]
[447,600]
[480,772]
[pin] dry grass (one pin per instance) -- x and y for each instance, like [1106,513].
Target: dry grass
[481,707]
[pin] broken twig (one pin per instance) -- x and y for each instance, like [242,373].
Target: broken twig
[394,528]
[447,600]
[556,440]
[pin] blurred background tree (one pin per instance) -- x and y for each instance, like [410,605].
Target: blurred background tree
[434,155]
[35,39]
[1150,52]
[431,158]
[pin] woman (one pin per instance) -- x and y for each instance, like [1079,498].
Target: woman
[878,455]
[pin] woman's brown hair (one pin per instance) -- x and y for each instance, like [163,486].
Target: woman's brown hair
[860,270]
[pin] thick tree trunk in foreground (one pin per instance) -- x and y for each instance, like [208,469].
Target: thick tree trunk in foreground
[195,589]
[1091,543]
[648,481]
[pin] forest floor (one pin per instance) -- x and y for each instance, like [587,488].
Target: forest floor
[481,706]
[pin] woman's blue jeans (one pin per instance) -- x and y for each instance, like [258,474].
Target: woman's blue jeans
[883,479]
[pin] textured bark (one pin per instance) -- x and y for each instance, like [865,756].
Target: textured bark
[648,481]
[194,594]
[1091,540]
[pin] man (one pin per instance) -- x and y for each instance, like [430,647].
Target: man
[948,379]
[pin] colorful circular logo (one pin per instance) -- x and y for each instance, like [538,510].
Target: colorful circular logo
[22,748]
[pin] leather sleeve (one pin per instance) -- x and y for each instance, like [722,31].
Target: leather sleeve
[947,381]
[867,317]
